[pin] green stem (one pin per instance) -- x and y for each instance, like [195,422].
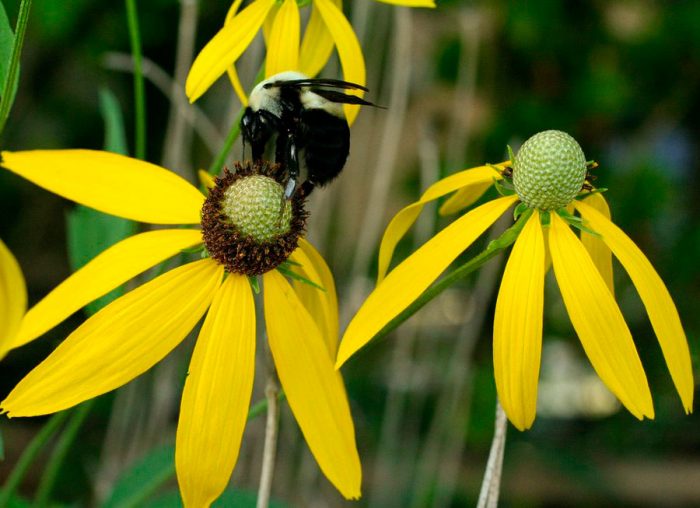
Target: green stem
[29,455]
[8,95]
[48,479]
[495,247]
[139,93]
[218,163]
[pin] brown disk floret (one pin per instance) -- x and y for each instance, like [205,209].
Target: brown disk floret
[238,252]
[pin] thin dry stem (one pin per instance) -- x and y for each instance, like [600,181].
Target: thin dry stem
[491,485]
[270,447]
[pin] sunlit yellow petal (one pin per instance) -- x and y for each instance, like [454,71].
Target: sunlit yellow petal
[314,389]
[465,197]
[410,3]
[110,269]
[403,220]
[656,298]
[121,341]
[225,48]
[283,44]
[236,84]
[413,276]
[232,11]
[111,183]
[317,45]
[269,21]
[598,321]
[13,298]
[205,179]
[217,394]
[321,304]
[517,327]
[596,247]
[349,50]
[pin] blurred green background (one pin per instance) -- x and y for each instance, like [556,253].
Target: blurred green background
[460,83]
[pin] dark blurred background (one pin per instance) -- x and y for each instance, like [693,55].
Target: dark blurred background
[460,83]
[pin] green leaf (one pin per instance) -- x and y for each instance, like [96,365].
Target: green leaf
[7,41]
[89,231]
[143,479]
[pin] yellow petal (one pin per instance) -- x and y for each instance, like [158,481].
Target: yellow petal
[236,84]
[403,220]
[411,3]
[656,298]
[108,270]
[413,276]
[269,21]
[283,44]
[465,197]
[596,247]
[217,393]
[598,321]
[225,48]
[349,50]
[321,304]
[121,341]
[232,11]
[314,389]
[517,327]
[205,179]
[111,183]
[13,298]
[317,45]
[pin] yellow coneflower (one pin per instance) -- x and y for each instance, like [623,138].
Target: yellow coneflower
[13,299]
[548,176]
[247,230]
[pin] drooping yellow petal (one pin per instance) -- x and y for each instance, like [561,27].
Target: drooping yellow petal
[269,21]
[596,247]
[232,11]
[121,341]
[317,45]
[215,402]
[13,298]
[236,84]
[111,183]
[465,197]
[656,298]
[598,321]
[283,44]
[225,48]
[413,276]
[411,3]
[349,50]
[403,220]
[321,304]
[110,269]
[314,389]
[517,326]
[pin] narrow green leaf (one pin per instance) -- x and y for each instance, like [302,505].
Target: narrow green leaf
[7,41]
[115,135]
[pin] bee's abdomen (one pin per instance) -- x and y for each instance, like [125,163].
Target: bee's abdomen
[327,144]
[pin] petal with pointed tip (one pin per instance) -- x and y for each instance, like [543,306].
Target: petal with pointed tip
[656,298]
[403,220]
[214,406]
[120,342]
[411,3]
[349,50]
[111,183]
[283,44]
[596,247]
[13,298]
[225,48]
[517,326]
[598,321]
[413,276]
[110,269]
[314,389]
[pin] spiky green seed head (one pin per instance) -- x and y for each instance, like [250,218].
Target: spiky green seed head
[549,170]
[255,205]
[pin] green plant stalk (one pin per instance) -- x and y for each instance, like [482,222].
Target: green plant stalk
[218,163]
[29,455]
[139,92]
[21,28]
[495,247]
[48,479]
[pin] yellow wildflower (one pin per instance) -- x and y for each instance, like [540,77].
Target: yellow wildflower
[13,299]
[548,174]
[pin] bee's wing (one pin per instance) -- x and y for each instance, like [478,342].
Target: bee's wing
[340,97]
[319,82]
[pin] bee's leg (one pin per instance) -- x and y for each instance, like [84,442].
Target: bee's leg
[292,167]
[307,187]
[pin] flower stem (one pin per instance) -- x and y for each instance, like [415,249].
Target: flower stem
[270,447]
[55,463]
[139,93]
[491,485]
[494,247]
[8,95]
[29,455]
